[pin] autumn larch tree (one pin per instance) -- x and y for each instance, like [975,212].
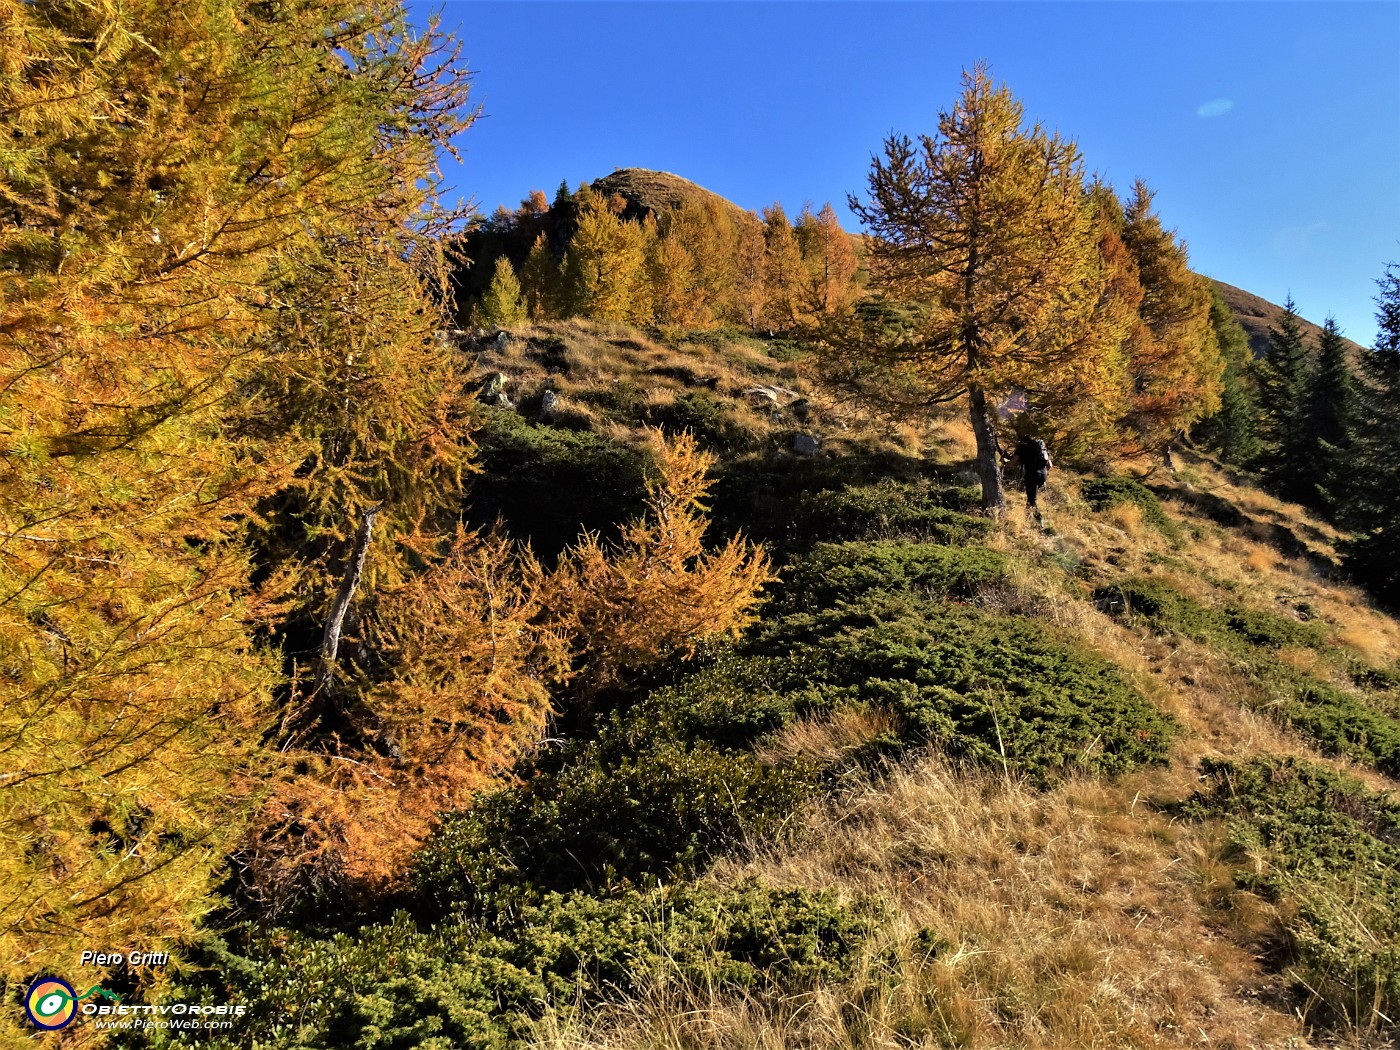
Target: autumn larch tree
[174,175]
[1173,357]
[658,593]
[1233,430]
[829,260]
[783,268]
[671,278]
[751,291]
[542,282]
[987,228]
[604,267]
[1078,409]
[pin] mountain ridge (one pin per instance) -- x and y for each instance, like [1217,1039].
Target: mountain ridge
[650,192]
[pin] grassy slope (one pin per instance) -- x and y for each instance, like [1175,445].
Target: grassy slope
[1120,783]
[1092,913]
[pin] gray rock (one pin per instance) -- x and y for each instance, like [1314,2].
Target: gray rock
[806,445]
[549,404]
[502,343]
[494,386]
[761,395]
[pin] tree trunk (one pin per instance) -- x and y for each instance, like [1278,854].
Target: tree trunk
[1168,460]
[330,641]
[988,453]
[335,622]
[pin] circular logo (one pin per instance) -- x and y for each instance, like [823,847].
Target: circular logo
[51,1003]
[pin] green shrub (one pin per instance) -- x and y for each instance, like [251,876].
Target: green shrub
[710,419]
[748,936]
[548,485]
[883,511]
[721,337]
[1000,690]
[1333,855]
[602,817]
[836,572]
[395,986]
[1381,679]
[1235,628]
[1104,493]
[731,701]
[773,500]
[621,400]
[785,350]
[1339,722]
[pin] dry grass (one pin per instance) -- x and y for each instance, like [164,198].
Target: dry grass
[1261,560]
[828,740]
[1068,919]
[1128,517]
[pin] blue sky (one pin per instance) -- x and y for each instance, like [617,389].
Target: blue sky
[1270,131]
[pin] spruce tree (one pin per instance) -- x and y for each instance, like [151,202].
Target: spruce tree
[1285,371]
[1374,557]
[1378,425]
[1330,418]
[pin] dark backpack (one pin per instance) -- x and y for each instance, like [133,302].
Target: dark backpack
[1035,457]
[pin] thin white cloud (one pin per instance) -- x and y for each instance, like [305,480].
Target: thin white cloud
[1295,242]
[1216,107]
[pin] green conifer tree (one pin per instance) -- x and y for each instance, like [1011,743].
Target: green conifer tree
[1374,557]
[1378,424]
[1284,374]
[1331,413]
[502,305]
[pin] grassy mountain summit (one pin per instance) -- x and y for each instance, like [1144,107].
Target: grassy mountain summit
[655,192]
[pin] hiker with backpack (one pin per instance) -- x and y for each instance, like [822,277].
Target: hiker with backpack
[1033,457]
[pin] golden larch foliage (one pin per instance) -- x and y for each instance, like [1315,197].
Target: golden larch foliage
[170,174]
[659,593]
[984,235]
[467,660]
[1173,356]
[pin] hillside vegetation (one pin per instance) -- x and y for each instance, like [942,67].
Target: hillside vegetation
[661,657]
[1124,781]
